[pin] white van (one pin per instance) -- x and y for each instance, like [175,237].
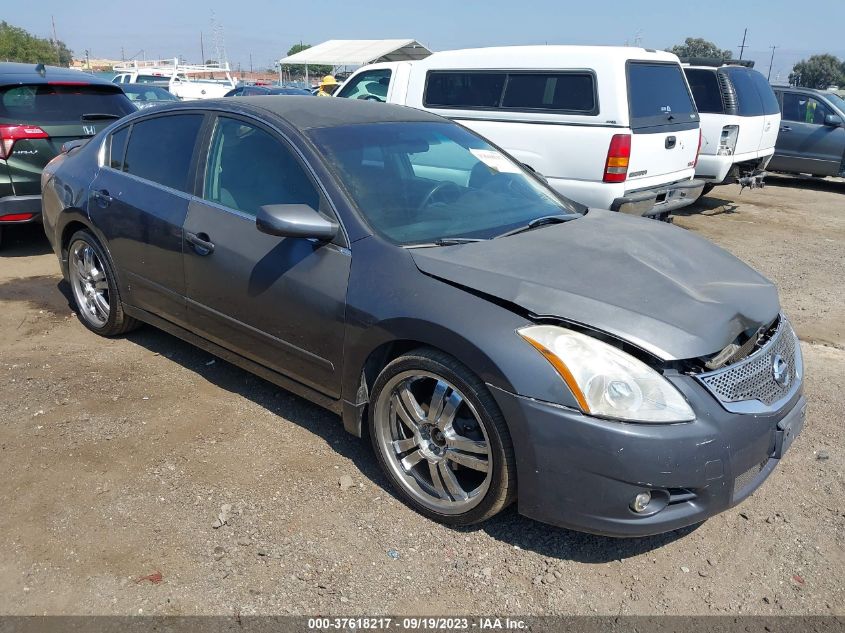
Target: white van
[609,127]
[740,119]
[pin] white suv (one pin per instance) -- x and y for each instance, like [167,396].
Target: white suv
[608,127]
[740,118]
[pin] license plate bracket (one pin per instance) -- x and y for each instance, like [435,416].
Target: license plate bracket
[788,429]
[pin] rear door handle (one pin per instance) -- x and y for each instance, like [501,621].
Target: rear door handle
[785,128]
[201,242]
[103,197]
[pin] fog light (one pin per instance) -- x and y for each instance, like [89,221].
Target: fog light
[641,501]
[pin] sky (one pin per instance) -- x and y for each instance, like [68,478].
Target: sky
[265,29]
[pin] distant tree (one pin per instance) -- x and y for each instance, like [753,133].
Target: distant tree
[298,69]
[18,45]
[819,71]
[699,47]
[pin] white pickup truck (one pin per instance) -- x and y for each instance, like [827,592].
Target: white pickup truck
[608,127]
[179,79]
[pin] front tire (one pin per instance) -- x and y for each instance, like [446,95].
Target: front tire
[441,440]
[94,287]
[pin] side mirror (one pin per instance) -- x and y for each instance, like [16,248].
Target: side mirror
[295,220]
[833,120]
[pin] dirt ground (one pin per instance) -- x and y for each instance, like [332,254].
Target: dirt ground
[117,455]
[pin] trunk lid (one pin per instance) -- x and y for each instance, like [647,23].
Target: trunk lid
[64,112]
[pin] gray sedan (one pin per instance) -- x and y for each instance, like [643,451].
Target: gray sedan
[495,342]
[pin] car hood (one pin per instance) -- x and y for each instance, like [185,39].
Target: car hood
[659,287]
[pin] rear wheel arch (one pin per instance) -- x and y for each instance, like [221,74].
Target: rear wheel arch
[77,221]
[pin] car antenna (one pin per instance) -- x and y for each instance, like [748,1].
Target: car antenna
[41,69]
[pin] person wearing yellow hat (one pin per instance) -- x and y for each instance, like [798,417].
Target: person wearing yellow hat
[327,86]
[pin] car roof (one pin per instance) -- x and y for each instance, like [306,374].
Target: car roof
[12,73]
[815,91]
[547,57]
[714,68]
[306,112]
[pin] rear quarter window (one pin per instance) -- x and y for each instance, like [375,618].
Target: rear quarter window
[462,89]
[705,90]
[564,92]
[748,99]
[767,95]
[658,96]
[520,91]
[117,148]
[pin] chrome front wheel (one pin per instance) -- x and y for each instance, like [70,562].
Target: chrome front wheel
[434,441]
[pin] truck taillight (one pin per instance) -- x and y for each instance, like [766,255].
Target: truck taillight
[618,157]
[11,134]
[727,141]
[698,151]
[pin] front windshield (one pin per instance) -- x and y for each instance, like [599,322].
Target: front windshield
[838,101]
[148,93]
[417,183]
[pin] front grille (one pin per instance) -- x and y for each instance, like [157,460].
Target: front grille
[753,378]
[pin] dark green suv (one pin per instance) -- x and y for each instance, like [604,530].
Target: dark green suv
[41,108]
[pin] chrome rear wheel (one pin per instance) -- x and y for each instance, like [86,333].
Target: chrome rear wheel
[89,283]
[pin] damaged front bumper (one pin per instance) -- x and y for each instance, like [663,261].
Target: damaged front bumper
[583,473]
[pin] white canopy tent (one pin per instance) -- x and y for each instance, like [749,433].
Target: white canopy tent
[357,53]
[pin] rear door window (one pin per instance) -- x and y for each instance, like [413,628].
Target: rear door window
[565,92]
[659,96]
[52,103]
[371,85]
[161,149]
[464,89]
[705,90]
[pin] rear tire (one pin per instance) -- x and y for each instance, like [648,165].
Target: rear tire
[707,189]
[94,287]
[441,440]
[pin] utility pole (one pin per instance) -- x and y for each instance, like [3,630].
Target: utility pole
[202,50]
[122,55]
[56,41]
[771,61]
[742,46]
[250,63]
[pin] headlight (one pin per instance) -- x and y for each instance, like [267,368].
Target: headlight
[606,381]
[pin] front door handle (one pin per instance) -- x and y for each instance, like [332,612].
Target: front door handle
[103,197]
[201,242]
[785,128]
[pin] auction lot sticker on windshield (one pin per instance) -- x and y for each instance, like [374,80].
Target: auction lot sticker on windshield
[495,160]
